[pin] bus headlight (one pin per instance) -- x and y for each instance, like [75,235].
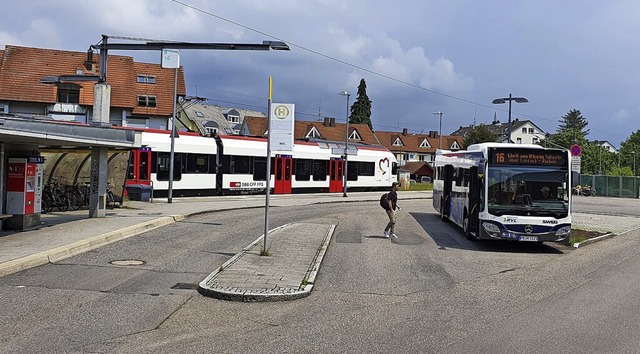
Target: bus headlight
[563,231]
[492,229]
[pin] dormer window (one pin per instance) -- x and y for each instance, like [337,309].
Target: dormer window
[68,93]
[354,135]
[233,119]
[313,133]
[425,144]
[398,142]
[455,146]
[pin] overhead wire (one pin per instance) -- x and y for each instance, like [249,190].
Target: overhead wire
[292,44]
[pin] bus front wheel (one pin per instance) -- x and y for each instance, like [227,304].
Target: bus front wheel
[465,227]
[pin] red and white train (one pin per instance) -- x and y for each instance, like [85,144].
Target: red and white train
[230,164]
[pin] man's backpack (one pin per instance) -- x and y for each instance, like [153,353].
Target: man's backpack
[383,201]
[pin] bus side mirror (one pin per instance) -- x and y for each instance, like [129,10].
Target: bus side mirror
[482,166]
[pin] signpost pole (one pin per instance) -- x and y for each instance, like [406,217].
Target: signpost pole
[267,190]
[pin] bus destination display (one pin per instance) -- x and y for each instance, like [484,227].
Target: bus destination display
[528,157]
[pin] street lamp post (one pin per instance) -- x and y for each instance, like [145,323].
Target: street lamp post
[439,132]
[346,146]
[509,99]
[634,163]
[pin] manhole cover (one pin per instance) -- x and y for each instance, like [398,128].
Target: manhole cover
[127,262]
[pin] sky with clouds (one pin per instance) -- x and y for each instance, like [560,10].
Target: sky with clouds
[417,57]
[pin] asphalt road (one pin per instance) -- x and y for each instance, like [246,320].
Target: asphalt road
[430,290]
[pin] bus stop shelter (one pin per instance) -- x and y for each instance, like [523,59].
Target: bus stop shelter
[65,145]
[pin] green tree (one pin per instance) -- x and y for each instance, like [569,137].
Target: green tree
[361,108]
[628,151]
[575,123]
[479,134]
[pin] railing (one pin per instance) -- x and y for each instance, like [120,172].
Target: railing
[613,186]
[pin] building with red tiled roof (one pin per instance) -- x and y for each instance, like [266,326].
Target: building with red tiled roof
[325,130]
[415,151]
[141,93]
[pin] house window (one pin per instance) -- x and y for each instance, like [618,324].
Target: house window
[354,135]
[233,119]
[146,79]
[519,140]
[524,130]
[398,142]
[211,131]
[535,140]
[425,144]
[147,101]
[530,130]
[69,93]
[199,114]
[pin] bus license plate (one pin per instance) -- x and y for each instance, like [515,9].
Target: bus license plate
[529,238]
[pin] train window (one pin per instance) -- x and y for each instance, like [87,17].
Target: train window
[240,164]
[144,166]
[154,162]
[164,166]
[394,169]
[197,163]
[259,168]
[225,163]
[303,169]
[366,168]
[352,171]
[320,170]
[212,163]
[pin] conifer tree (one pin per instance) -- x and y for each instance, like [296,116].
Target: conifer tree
[361,108]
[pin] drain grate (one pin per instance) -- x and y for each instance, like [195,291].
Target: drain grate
[188,286]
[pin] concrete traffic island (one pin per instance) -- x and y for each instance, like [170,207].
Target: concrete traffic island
[295,252]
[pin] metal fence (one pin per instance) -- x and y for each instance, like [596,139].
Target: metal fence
[613,186]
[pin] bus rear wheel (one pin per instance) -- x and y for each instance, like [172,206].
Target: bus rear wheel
[442,217]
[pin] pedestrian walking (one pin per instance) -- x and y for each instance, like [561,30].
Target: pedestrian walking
[391,206]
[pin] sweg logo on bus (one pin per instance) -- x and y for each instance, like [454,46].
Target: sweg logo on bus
[549,221]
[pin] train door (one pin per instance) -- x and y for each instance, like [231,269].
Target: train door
[139,168]
[335,175]
[283,172]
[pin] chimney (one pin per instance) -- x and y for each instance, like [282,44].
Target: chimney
[405,132]
[332,122]
[89,63]
[327,122]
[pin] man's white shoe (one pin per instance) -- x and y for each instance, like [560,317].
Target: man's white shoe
[393,235]
[386,234]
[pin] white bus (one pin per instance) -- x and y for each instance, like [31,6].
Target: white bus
[505,191]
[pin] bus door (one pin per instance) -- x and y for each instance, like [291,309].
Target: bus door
[475,185]
[335,175]
[139,168]
[283,172]
[447,179]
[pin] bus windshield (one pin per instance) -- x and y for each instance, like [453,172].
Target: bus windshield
[528,190]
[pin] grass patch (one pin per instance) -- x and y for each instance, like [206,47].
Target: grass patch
[417,187]
[578,235]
